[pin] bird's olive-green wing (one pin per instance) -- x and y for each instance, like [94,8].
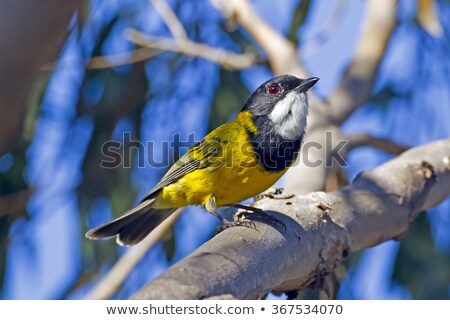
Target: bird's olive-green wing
[199,156]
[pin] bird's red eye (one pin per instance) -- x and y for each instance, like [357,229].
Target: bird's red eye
[273,89]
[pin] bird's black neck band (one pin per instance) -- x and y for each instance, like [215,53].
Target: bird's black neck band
[275,153]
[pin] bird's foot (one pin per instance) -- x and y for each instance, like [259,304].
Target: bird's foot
[247,211]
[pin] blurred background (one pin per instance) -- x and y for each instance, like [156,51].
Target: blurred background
[76,74]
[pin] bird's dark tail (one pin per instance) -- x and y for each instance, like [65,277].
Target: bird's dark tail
[134,225]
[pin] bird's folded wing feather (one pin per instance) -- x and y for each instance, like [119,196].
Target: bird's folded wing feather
[198,156]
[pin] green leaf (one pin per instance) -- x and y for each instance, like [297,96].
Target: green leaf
[419,267]
[229,98]
[300,14]
[170,245]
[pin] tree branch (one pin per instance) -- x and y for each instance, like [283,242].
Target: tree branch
[112,281]
[227,59]
[355,87]
[139,54]
[108,61]
[121,59]
[321,230]
[281,52]
[170,19]
[366,140]
[428,18]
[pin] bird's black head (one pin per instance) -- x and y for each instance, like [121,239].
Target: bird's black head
[281,105]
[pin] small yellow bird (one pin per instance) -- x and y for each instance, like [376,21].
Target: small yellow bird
[234,162]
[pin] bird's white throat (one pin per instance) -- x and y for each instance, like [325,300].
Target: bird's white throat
[289,115]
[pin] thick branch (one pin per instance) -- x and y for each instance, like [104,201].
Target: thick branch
[321,230]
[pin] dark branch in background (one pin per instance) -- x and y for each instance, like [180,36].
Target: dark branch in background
[321,230]
[29,45]
[15,203]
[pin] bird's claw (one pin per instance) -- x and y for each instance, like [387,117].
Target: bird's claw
[241,218]
[258,213]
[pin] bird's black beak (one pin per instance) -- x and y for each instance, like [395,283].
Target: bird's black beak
[307,84]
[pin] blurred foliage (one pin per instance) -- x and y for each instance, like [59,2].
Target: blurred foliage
[228,99]
[383,97]
[423,270]
[169,244]
[123,96]
[300,15]
[13,207]
[110,96]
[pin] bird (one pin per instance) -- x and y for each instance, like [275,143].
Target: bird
[236,161]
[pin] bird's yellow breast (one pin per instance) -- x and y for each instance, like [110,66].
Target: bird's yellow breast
[235,173]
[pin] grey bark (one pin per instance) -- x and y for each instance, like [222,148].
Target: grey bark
[321,229]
